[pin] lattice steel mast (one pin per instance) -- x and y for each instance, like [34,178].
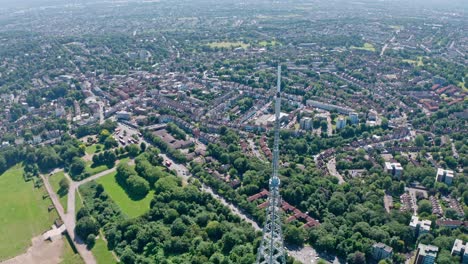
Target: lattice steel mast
[271,249]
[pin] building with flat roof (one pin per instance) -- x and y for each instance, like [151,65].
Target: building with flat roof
[329,107]
[354,118]
[420,226]
[340,123]
[394,168]
[426,254]
[381,251]
[306,123]
[445,176]
[460,249]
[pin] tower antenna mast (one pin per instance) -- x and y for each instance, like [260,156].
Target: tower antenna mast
[271,250]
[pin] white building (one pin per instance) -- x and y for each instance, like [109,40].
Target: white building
[445,176]
[394,168]
[420,226]
[460,249]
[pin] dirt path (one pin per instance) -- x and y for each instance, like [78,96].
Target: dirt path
[41,252]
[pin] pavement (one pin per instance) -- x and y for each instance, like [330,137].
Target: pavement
[331,166]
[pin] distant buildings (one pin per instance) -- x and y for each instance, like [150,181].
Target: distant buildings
[381,251]
[460,249]
[420,226]
[123,115]
[329,107]
[426,254]
[445,176]
[394,168]
[306,123]
[341,123]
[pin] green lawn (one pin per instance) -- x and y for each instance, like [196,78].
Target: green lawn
[68,255]
[23,213]
[101,253]
[63,194]
[228,44]
[78,201]
[92,149]
[264,43]
[367,46]
[95,170]
[129,207]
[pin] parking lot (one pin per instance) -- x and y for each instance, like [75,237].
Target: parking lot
[126,135]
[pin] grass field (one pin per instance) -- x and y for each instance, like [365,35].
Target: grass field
[367,46]
[228,44]
[68,255]
[63,194]
[129,207]
[95,170]
[101,253]
[23,214]
[418,63]
[92,149]
[266,43]
[78,201]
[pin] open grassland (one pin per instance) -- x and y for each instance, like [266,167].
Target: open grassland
[228,44]
[129,207]
[367,46]
[23,214]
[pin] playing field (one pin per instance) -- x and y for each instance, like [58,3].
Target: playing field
[129,207]
[23,214]
[62,194]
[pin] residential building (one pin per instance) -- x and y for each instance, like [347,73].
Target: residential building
[426,254]
[353,116]
[381,251]
[341,123]
[460,249]
[306,123]
[394,168]
[445,176]
[123,115]
[420,226]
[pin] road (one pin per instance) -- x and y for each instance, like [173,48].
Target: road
[69,221]
[69,217]
[331,166]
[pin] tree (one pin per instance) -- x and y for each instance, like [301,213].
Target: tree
[137,186]
[64,184]
[419,140]
[90,241]
[143,146]
[214,230]
[424,206]
[110,142]
[86,226]
[77,166]
[133,150]
[294,235]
